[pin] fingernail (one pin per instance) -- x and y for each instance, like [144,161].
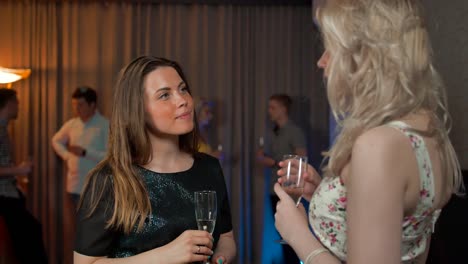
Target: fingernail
[220,261]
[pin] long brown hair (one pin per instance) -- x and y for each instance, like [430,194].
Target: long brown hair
[129,144]
[381,70]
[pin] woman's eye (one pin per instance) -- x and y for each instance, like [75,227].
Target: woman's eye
[164,96]
[184,89]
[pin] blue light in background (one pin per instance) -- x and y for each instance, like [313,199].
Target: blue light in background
[272,252]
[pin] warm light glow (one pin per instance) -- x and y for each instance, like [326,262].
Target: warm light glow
[6,77]
[13,75]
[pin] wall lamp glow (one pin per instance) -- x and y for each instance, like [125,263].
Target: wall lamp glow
[8,76]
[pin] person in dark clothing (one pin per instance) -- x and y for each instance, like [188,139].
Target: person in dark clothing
[25,231]
[139,202]
[285,138]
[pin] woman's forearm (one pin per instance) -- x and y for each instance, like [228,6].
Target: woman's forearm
[154,256]
[226,247]
[306,244]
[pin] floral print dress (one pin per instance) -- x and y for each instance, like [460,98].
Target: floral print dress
[327,210]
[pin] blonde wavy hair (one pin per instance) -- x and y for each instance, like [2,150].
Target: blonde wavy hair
[381,69]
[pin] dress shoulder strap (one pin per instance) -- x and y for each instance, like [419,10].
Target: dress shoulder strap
[424,162]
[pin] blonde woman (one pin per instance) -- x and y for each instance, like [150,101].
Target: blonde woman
[392,168]
[137,205]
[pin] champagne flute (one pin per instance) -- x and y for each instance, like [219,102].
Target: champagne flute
[293,181]
[205,211]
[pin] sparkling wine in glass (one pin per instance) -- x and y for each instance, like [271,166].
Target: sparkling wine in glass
[205,211]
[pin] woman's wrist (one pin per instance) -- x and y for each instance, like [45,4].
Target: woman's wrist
[310,258]
[304,244]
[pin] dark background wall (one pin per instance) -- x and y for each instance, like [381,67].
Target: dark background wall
[448,25]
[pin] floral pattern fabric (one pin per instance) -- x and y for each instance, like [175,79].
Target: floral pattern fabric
[327,209]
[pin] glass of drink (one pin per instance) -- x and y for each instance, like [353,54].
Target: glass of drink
[205,210]
[293,181]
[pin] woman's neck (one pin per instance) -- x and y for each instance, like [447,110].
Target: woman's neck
[418,120]
[167,156]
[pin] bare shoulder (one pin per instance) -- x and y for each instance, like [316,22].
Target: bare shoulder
[384,154]
[384,140]
[376,194]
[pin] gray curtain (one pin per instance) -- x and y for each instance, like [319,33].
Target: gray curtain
[234,55]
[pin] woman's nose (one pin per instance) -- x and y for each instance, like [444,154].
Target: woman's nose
[181,100]
[323,61]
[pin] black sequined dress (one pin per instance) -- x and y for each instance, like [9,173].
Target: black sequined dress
[171,196]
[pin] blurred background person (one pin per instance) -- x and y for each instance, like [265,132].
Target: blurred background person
[82,141]
[24,230]
[284,138]
[208,135]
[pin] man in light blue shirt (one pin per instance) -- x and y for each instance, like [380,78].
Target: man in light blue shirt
[82,141]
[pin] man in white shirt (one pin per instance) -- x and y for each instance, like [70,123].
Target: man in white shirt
[82,141]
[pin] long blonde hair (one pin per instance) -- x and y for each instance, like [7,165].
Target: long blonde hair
[381,69]
[129,145]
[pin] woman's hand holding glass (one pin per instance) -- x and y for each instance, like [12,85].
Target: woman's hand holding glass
[206,209]
[311,178]
[293,182]
[190,246]
[290,220]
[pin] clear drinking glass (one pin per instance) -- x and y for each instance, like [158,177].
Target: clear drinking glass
[205,210]
[293,180]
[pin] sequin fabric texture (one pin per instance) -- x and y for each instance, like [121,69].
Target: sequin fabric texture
[171,197]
